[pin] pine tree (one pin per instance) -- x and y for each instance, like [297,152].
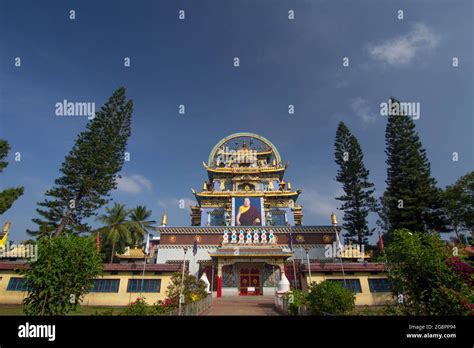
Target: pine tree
[459,204]
[89,171]
[10,195]
[411,200]
[358,198]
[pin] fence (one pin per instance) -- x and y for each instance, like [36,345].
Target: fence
[194,308]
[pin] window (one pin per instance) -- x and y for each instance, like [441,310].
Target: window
[105,285]
[279,217]
[379,285]
[17,284]
[217,217]
[351,284]
[149,285]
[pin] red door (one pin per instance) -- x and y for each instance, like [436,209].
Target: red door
[250,282]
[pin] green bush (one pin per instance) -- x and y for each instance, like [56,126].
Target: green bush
[62,274]
[193,289]
[295,300]
[425,279]
[330,298]
[139,307]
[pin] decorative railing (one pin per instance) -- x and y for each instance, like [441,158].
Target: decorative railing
[249,236]
[193,308]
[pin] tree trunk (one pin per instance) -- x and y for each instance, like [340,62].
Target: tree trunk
[112,255]
[64,221]
[457,234]
[68,214]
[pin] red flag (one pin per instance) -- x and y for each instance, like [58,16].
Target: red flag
[97,242]
[380,242]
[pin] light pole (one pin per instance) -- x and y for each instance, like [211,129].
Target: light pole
[309,265]
[334,223]
[182,282]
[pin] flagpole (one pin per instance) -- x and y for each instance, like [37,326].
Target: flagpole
[334,223]
[182,281]
[293,258]
[147,246]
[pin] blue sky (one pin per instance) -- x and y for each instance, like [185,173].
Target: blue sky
[190,62]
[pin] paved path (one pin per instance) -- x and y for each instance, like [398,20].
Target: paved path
[243,305]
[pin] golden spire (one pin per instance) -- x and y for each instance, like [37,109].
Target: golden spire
[288,185]
[204,186]
[164,220]
[3,239]
[333,219]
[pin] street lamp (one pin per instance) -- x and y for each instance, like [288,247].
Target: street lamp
[182,282]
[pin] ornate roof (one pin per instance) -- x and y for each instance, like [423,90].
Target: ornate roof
[132,253]
[271,149]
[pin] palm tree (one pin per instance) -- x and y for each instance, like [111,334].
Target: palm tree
[140,225]
[117,227]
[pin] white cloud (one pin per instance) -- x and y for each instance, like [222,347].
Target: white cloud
[318,204]
[361,109]
[401,50]
[133,184]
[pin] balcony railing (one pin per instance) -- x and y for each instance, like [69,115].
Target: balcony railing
[241,236]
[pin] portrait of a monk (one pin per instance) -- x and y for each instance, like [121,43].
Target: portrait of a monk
[248,215]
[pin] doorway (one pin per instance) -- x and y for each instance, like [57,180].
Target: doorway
[250,282]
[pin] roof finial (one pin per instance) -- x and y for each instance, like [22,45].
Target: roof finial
[164,220]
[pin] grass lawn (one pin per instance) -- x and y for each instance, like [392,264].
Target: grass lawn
[18,310]
[368,310]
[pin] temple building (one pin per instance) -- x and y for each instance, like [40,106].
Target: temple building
[246,237]
[247,234]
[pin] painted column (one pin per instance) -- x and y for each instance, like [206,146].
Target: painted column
[219,279]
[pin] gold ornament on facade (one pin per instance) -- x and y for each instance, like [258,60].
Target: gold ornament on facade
[326,238]
[299,238]
[198,239]
[172,239]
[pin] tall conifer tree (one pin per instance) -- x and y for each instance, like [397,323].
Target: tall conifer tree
[89,172]
[358,198]
[411,199]
[9,195]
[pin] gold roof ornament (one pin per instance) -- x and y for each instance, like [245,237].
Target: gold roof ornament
[204,186]
[4,236]
[164,220]
[333,219]
[288,185]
